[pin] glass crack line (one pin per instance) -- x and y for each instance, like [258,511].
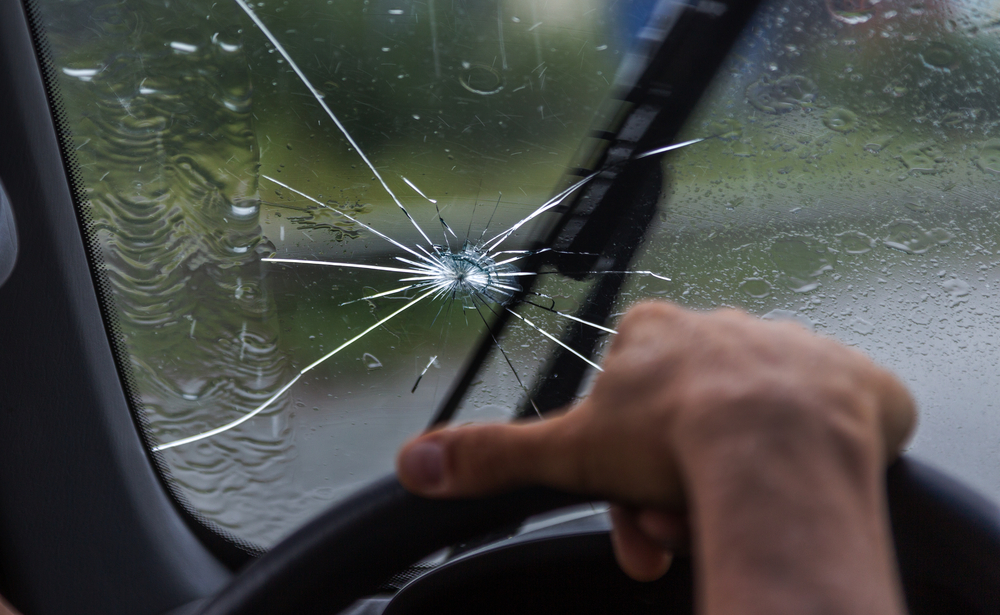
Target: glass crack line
[667,148]
[421,376]
[320,99]
[556,340]
[246,417]
[351,218]
[471,274]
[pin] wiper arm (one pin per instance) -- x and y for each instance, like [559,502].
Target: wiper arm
[602,226]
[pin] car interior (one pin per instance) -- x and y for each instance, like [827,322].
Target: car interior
[230,234]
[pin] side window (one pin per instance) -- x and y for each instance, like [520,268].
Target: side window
[852,183]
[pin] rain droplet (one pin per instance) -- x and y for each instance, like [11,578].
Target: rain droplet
[801,260]
[956,288]
[840,119]
[941,235]
[855,242]
[83,74]
[757,288]
[922,158]
[183,47]
[481,79]
[726,129]
[790,315]
[940,57]
[877,144]
[787,93]
[920,317]
[860,325]
[989,157]
[907,236]
[851,11]
[370,361]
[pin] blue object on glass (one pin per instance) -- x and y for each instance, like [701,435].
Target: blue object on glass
[632,16]
[8,237]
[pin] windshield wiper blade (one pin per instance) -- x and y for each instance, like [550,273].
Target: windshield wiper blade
[602,226]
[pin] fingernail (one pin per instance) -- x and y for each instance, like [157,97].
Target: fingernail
[423,465]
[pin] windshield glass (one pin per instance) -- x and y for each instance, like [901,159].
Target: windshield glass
[852,183]
[309,211]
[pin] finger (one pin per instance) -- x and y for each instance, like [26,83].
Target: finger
[898,417]
[639,556]
[476,460]
[669,530]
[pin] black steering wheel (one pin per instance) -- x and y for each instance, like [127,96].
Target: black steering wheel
[947,541]
[947,537]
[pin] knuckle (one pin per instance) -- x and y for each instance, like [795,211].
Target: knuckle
[650,311]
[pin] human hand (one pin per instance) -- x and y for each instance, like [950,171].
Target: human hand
[768,441]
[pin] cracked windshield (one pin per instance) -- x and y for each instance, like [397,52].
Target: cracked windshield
[309,212]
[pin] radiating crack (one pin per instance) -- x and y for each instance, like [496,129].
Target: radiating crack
[478,274]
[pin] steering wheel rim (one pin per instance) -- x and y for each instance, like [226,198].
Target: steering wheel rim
[359,543]
[947,539]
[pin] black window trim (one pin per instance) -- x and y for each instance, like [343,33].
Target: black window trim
[86,525]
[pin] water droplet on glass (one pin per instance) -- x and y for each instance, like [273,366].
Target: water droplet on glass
[481,79]
[922,158]
[493,412]
[790,315]
[851,11]
[856,242]
[907,236]
[860,325]
[726,129]
[896,91]
[877,144]
[940,57]
[83,74]
[183,47]
[801,260]
[989,157]
[956,288]
[756,287]
[941,235]
[787,93]
[370,361]
[840,119]
[742,150]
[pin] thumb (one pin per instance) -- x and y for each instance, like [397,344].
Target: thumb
[477,460]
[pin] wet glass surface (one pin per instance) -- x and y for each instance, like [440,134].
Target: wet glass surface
[205,148]
[849,180]
[853,185]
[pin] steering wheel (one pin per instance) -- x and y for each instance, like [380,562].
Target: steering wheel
[947,542]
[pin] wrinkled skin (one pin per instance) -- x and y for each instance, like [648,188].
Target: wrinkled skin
[759,446]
